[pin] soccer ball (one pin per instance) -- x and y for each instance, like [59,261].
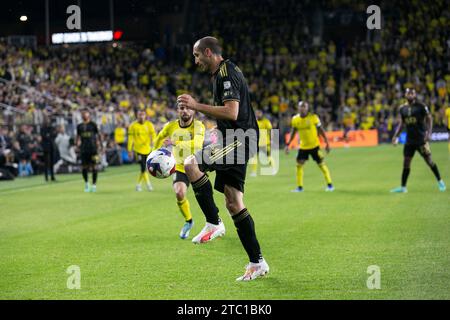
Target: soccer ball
[161,163]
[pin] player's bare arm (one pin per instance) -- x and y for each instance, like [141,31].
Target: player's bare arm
[322,133]
[397,131]
[291,137]
[229,111]
[429,123]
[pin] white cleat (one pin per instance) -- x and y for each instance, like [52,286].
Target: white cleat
[254,270]
[149,187]
[209,232]
[138,188]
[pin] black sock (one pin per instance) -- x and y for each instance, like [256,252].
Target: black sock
[94,176]
[204,195]
[405,175]
[85,175]
[246,230]
[435,170]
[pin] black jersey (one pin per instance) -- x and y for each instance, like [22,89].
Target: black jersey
[88,133]
[48,136]
[229,84]
[413,116]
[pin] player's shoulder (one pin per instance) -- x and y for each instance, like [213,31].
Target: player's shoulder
[198,123]
[229,68]
[174,124]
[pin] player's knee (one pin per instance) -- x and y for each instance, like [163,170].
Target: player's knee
[190,164]
[180,194]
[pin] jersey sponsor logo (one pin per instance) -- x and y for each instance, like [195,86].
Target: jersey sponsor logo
[227,85]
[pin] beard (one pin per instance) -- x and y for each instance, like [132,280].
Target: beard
[186,119]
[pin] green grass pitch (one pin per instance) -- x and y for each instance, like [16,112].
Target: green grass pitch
[318,245]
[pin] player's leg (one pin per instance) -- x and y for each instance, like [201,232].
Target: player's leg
[425,152]
[144,172]
[318,157]
[93,166]
[46,164]
[245,227]
[253,162]
[180,186]
[408,154]
[270,158]
[204,194]
[302,157]
[84,170]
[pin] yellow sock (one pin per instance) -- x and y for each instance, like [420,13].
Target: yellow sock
[271,161]
[299,175]
[254,164]
[185,209]
[140,178]
[146,177]
[449,146]
[326,173]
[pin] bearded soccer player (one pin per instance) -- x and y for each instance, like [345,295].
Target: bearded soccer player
[419,124]
[88,141]
[238,141]
[265,135]
[309,128]
[186,135]
[141,136]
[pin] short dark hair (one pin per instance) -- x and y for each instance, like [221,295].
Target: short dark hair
[211,43]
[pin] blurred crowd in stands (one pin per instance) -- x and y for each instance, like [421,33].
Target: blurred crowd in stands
[357,84]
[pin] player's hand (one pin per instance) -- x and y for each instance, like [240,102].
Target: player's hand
[130,155]
[187,101]
[168,142]
[327,148]
[395,141]
[286,149]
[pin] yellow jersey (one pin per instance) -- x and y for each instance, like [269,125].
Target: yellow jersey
[447,114]
[307,130]
[265,128]
[186,140]
[141,137]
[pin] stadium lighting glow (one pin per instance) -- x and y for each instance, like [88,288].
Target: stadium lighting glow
[23,18]
[82,37]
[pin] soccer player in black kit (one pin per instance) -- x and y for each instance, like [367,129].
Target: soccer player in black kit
[48,135]
[419,124]
[238,141]
[88,141]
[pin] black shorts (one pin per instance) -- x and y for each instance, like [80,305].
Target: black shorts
[89,157]
[231,174]
[180,177]
[142,159]
[316,154]
[410,149]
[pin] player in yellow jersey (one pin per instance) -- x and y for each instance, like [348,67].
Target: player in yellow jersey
[265,135]
[141,137]
[186,135]
[309,128]
[447,119]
